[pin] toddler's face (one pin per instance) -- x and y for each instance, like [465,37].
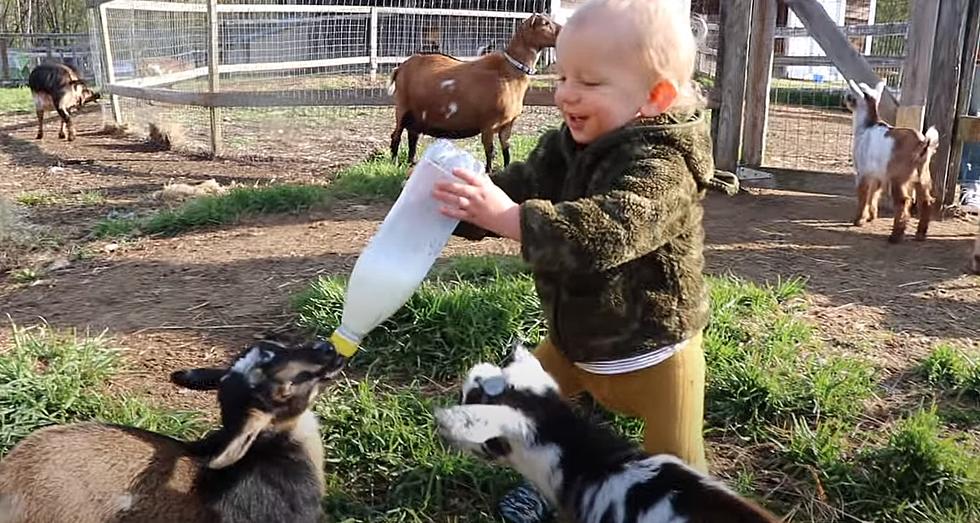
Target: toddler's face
[601,86]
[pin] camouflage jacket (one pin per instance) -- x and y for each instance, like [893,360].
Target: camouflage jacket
[612,232]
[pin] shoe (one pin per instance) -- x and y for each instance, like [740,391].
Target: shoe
[524,505]
[970,197]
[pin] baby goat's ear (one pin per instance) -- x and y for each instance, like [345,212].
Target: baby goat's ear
[198,379]
[880,88]
[255,422]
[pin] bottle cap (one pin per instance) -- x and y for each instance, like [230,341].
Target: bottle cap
[344,345]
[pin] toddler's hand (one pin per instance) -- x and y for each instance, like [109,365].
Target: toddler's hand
[478,200]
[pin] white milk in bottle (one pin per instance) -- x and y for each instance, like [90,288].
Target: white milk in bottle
[403,250]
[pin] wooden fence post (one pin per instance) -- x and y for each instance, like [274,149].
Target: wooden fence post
[110,67]
[761,43]
[735,16]
[4,65]
[918,62]
[373,42]
[967,72]
[214,60]
[943,89]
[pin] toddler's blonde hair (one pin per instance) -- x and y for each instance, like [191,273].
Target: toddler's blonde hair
[660,32]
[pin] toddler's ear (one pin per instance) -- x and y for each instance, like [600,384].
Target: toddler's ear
[661,96]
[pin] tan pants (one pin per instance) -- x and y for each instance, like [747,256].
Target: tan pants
[669,397]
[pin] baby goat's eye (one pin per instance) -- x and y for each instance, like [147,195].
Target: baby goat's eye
[303,377]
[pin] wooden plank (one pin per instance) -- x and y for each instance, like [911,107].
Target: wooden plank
[373,42]
[967,72]
[943,88]
[873,61]
[151,5]
[57,36]
[400,59]
[4,65]
[271,8]
[299,64]
[872,12]
[968,129]
[735,15]
[165,79]
[918,52]
[892,28]
[214,74]
[846,58]
[110,68]
[291,98]
[453,12]
[761,43]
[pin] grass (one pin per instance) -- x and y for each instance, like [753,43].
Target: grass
[218,210]
[456,318]
[953,370]
[50,377]
[767,369]
[774,390]
[386,464]
[15,100]
[375,179]
[25,275]
[92,198]
[378,178]
[772,386]
[37,199]
[914,473]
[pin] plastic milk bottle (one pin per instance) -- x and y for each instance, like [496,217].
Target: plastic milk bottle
[403,250]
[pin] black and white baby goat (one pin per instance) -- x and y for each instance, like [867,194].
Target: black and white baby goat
[264,464]
[515,415]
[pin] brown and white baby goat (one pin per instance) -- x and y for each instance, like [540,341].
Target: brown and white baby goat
[515,415]
[444,97]
[889,156]
[263,465]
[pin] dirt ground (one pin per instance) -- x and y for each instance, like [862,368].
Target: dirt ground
[196,298]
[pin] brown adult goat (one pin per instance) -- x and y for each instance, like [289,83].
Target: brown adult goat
[444,97]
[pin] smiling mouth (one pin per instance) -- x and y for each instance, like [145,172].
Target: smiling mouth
[575,121]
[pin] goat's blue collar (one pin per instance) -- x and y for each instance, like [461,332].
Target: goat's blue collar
[520,67]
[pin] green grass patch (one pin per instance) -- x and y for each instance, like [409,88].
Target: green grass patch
[915,473]
[765,366]
[92,198]
[25,275]
[209,211]
[385,463]
[15,100]
[455,319]
[50,377]
[378,178]
[952,370]
[37,199]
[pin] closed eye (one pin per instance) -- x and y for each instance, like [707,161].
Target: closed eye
[303,377]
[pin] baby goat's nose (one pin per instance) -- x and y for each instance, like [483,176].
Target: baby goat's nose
[331,360]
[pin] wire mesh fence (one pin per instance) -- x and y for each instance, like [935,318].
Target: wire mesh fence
[309,67]
[809,128]
[21,52]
